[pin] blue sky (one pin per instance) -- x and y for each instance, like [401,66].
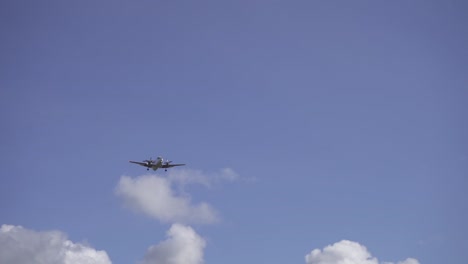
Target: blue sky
[341,119]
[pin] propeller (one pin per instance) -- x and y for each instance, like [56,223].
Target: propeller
[149,162]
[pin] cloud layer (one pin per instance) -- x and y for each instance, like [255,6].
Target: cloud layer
[22,246]
[153,195]
[183,246]
[346,252]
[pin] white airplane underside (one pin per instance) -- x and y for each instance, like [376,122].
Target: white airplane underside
[156,164]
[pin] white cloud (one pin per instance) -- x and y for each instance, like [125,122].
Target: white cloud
[346,252]
[22,246]
[153,195]
[409,261]
[228,174]
[183,246]
[343,252]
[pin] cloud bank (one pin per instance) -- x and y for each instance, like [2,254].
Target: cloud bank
[154,196]
[183,246]
[347,252]
[22,246]
[165,199]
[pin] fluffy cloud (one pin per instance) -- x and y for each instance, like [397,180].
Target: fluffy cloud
[183,246]
[22,246]
[153,195]
[343,252]
[346,252]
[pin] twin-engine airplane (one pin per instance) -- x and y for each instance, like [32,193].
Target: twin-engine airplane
[159,162]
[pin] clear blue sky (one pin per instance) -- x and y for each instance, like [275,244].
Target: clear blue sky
[351,116]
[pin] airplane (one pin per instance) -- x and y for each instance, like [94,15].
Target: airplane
[156,164]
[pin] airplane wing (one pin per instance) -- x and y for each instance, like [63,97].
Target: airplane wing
[139,163]
[171,165]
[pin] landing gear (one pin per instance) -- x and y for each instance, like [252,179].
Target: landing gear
[165,170]
[147,169]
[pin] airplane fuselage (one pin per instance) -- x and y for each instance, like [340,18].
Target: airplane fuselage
[156,164]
